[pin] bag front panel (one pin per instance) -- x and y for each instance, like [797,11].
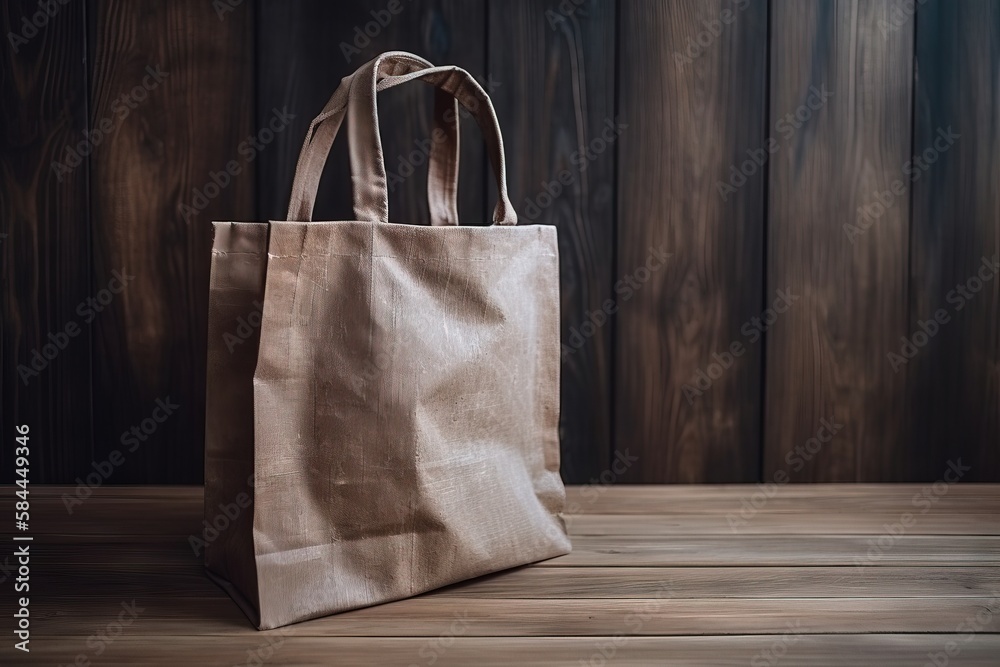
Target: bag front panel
[407,409]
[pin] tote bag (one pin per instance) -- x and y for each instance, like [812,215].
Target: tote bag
[382,398]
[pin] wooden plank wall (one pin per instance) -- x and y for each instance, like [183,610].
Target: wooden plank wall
[692,115]
[557,107]
[155,189]
[840,111]
[45,241]
[776,199]
[306,47]
[164,91]
[953,402]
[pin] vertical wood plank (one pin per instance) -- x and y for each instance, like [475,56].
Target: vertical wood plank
[954,376]
[154,200]
[44,240]
[307,46]
[557,114]
[837,240]
[692,91]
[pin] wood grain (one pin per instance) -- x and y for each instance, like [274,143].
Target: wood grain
[841,214]
[558,116]
[150,342]
[688,123]
[784,523]
[643,510]
[707,600]
[663,616]
[954,377]
[732,582]
[826,355]
[790,517]
[860,551]
[529,583]
[805,650]
[307,46]
[778,550]
[44,242]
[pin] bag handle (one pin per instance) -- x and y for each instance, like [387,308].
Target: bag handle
[371,200]
[442,176]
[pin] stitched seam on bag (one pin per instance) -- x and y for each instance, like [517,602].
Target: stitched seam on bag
[371,308]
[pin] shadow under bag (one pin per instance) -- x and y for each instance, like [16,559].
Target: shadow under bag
[392,425]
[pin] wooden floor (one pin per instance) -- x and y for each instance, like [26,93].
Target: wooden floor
[815,575]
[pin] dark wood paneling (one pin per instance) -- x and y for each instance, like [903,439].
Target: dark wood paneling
[693,112]
[556,107]
[307,46]
[648,597]
[871,242]
[44,239]
[149,220]
[954,376]
[826,355]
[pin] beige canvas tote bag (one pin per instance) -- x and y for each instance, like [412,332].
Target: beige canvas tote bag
[383,398]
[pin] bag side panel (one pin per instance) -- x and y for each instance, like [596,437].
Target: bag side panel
[239,265]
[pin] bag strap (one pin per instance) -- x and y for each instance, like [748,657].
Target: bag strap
[442,176]
[371,200]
